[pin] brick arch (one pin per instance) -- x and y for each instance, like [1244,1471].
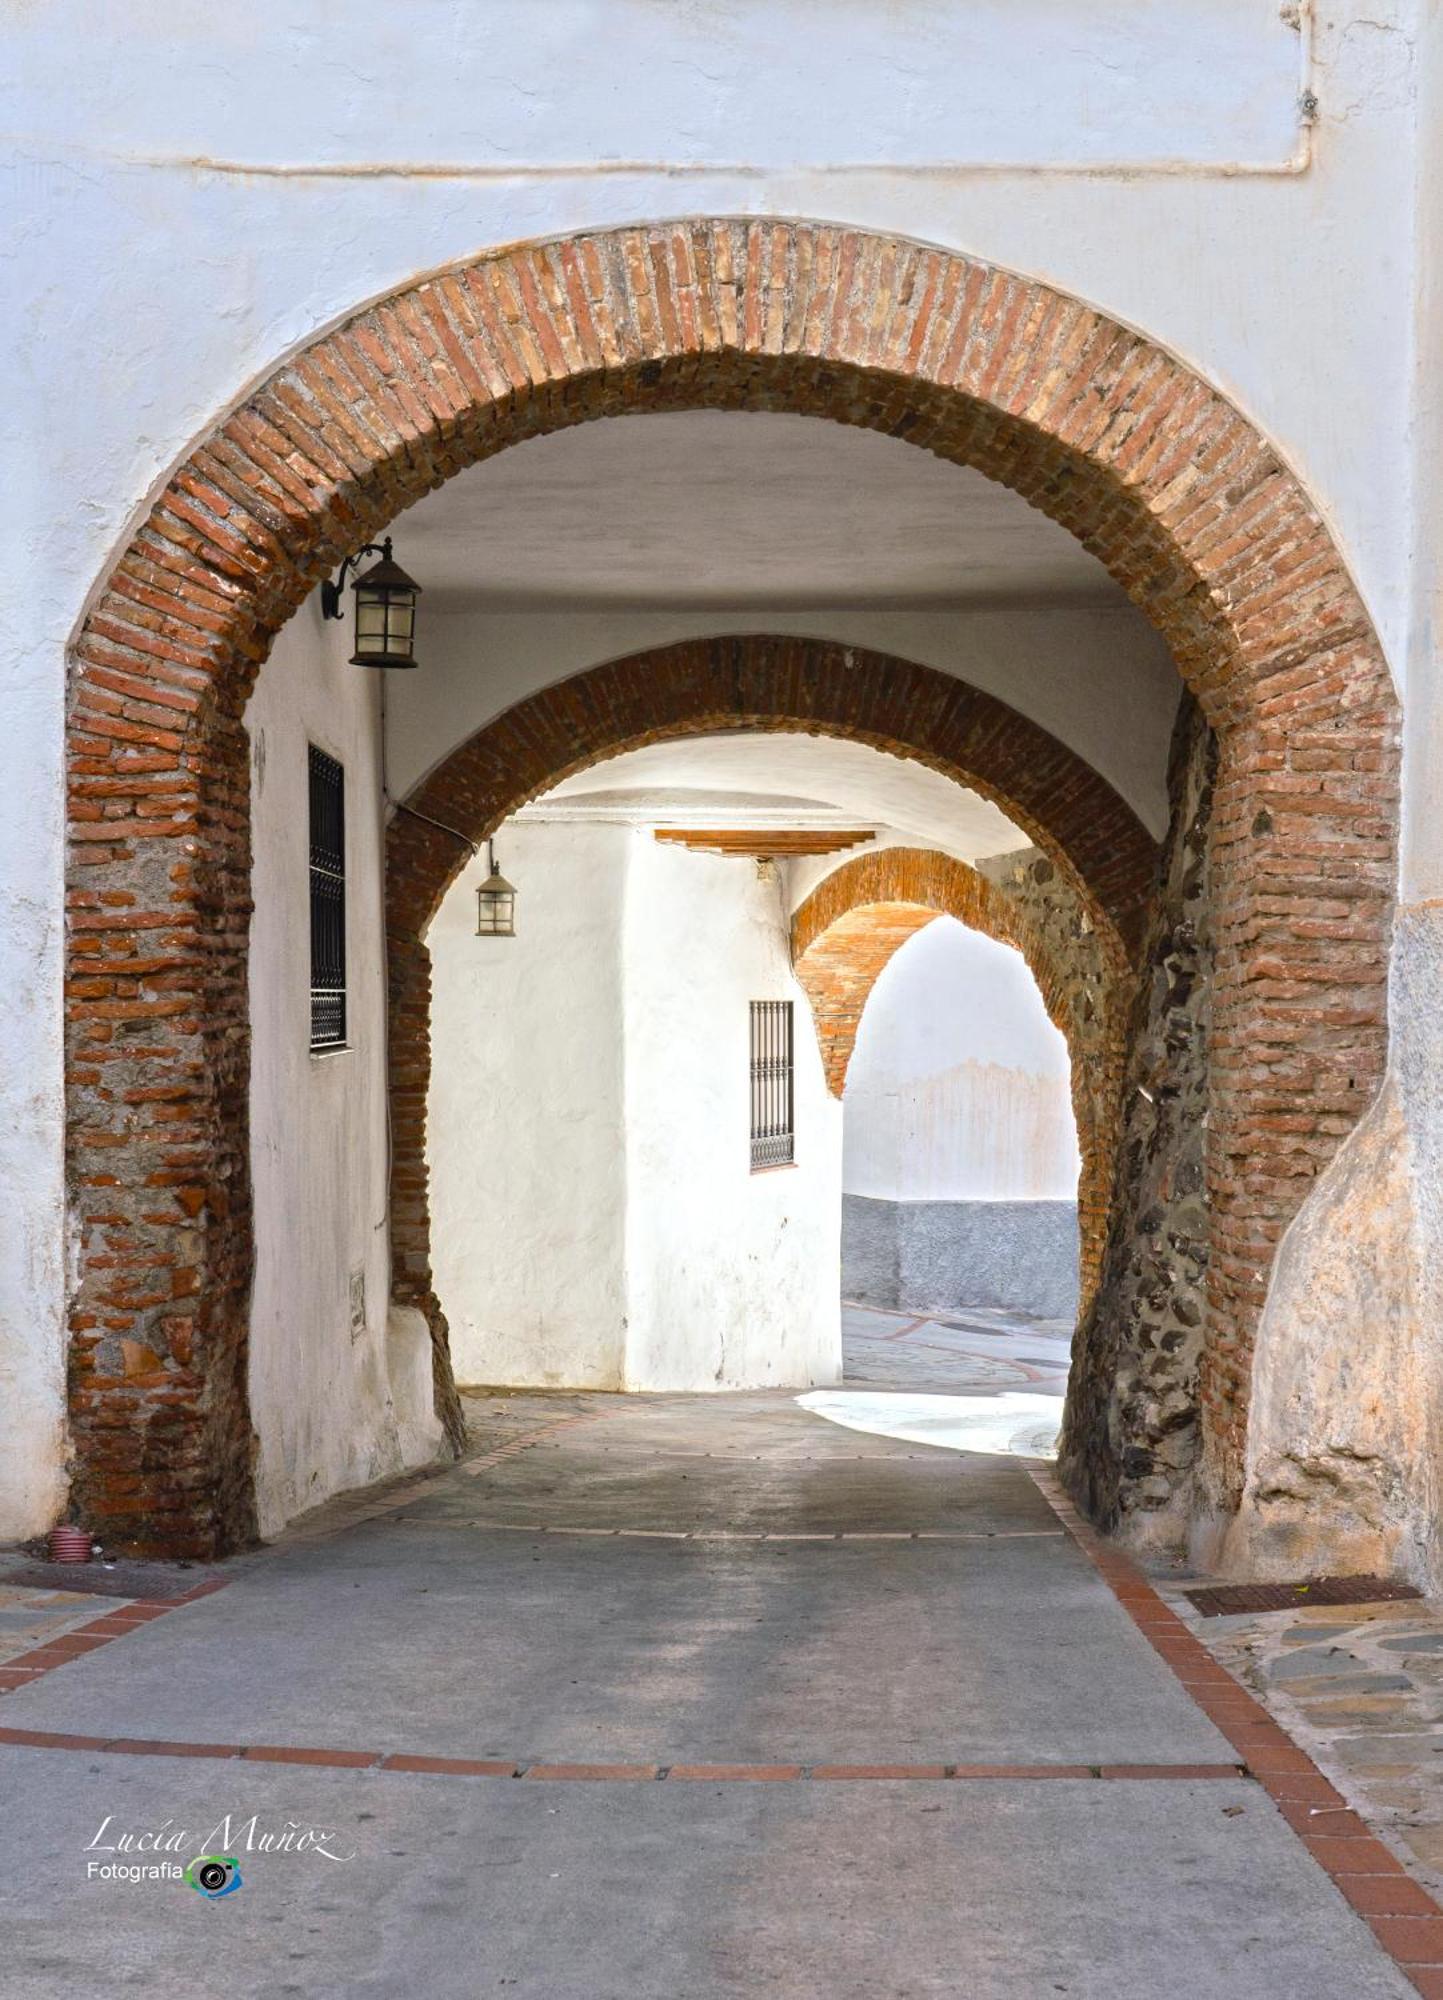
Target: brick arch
[1160,477]
[700,687]
[857,918]
[761,681]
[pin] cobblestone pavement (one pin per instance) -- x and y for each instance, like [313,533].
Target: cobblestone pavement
[970,1349]
[1361,1688]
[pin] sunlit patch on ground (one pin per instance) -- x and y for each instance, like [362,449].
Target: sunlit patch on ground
[1013,1424]
[976,1380]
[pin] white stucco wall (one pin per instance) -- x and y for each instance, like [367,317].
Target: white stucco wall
[958,1087]
[192,193]
[734,1277]
[340,1393]
[595,1222]
[525,1120]
[1167,178]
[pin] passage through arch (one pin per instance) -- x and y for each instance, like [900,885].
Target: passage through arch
[1159,477]
[701,687]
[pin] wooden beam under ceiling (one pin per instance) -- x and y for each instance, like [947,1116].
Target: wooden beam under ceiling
[765,843]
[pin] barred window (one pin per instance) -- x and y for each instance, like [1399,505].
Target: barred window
[773,1137]
[328,902]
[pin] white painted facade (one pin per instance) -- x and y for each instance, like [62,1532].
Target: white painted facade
[958,1088]
[596,1222]
[194,193]
[735,1276]
[340,1386]
[526,1123]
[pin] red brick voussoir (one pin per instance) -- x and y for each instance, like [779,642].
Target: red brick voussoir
[1157,474]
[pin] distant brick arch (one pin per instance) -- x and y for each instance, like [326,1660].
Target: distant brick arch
[860,915]
[1156,474]
[753,682]
[765,682]
[855,921]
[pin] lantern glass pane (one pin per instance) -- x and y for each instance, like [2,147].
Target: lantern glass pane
[370,625]
[398,623]
[495,913]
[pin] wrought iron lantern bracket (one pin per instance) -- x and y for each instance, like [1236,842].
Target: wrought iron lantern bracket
[331,606]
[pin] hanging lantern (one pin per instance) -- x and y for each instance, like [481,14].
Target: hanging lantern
[495,902]
[385,609]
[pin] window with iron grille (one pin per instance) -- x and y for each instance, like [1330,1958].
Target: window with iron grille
[773,1137]
[328,902]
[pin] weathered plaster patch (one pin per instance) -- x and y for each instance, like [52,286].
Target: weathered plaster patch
[1346,1403]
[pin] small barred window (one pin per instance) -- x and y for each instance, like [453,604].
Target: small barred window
[773,1096]
[328,902]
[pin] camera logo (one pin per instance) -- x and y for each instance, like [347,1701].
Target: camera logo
[214,1875]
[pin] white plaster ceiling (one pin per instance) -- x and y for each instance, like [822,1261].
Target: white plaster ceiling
[789,781]
[736,508]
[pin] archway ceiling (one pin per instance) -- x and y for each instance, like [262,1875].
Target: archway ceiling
[741,509]
[787,780]
[597,540]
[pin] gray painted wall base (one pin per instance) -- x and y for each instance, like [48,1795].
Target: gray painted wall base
[930,1256]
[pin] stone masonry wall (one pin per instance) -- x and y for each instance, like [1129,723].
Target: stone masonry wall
[1132,1433]
[1091,1008]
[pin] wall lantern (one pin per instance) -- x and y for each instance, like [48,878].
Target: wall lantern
[495,902]
[385,608]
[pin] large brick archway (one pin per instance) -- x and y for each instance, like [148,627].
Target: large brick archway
[1156,473]
[855,921]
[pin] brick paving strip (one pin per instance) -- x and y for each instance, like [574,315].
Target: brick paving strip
[753,1534]
[1361,1689]
[575,1773]
[25,1668]
[344,1511]
[1402,1916]
[28,1667]
[526,1440]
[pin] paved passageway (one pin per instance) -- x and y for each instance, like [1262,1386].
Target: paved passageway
[770,1705]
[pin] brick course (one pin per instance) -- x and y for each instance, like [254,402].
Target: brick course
[1157,475]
